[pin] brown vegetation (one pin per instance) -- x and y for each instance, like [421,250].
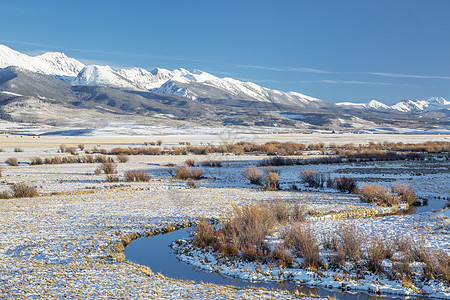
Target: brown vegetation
[137,176]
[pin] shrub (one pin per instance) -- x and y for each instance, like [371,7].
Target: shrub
[62,148]
[5,195]
[313,178]
[375,253]
[283,256]
[12,161]
[205,234]
[186,172]
[36,161]
[69,160]
[191,183]
[212,163]
[90,159]
[372,193]
[109,168]
[159,142]
[273,183]
[123,158]
[280,209]
[406,193]
[346,184]
[21,190]
[254,174]
[112,178]
[81,147]
[72,150]
[348,243]
[190,162]
[53,160]
[137,176]
[300,237]
[18,149]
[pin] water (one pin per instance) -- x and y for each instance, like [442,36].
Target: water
[155,253]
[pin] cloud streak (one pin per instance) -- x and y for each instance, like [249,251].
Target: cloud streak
[406,75]
[286,69]
[361,82]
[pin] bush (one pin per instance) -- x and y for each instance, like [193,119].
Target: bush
[12,161]
[21,190]
[273,183]
[137,176]
[205,234]
[348,243]
[53,160]
[186,172]
[196,173]
[5,195]
[254,174]
[346,184]
[123,158]
[109,168]
[112,178]
[372,193]
[190,162]
[191,183]
[313,178]
[283,256]
[300,237]
[406,193]
[376,252]
[18,149]
[212,163]
[81,147]
[36,161]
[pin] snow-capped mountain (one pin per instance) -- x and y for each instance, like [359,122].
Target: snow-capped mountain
[373,104]
[50,63]
[415,106]
[104,76]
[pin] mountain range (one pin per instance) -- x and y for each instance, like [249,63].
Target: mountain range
[56,82]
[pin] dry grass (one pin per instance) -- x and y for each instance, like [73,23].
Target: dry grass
[36,161]
[254,175]
[12,161]
[346,184]
[406,193]
[375,253]
[348,243]
[300,237]
[137,176]
[185,172]
[313,178]
[112,178]
[212,163]
[372,193]
[190,162]
[22,190]
[18,149]
[273,183]
[122,158]
[109,168]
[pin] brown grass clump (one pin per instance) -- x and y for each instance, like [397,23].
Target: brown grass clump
[123,158]
[21,190]
[81,147]
[137,176]
[313,178]
[346,184]
[109,167]
[376,252]
[190,162]
[273,183]
[205,234]
[406,193]
[283,256]
[212,163]
[18,149]
[300,237]
[36,161]
[348,243]
[372,193]
[186,172]
[112,178]
[12,161]
[254,174]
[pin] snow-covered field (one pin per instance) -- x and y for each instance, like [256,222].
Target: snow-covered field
[62,244]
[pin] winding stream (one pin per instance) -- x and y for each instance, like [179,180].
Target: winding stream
[155,253]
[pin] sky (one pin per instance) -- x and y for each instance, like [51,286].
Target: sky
[337,51]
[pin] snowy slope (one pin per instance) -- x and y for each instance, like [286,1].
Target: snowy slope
[104,76]
[434,103]
[373,104]
[50,63]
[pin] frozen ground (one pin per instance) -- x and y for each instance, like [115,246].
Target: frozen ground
[61,245]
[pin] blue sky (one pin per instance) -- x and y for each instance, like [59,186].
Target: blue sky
[334,50]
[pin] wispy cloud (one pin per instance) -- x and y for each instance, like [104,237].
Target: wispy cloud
[406,75]
[285,69]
